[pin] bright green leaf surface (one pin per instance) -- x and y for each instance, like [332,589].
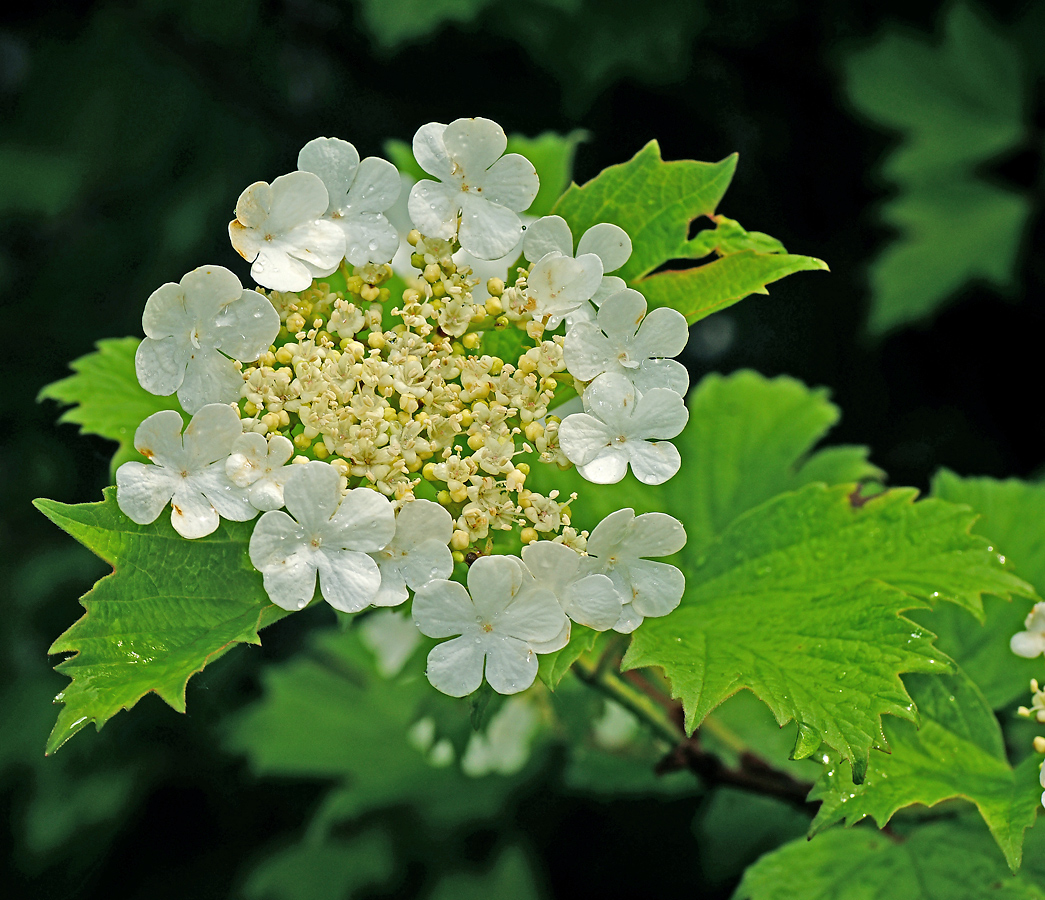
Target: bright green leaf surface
[655,202]
[169,607]
[799,601]
[957,751]
[958,104]
[1008,510]
[950,860]
[105,396]
[551,667]
[748,439]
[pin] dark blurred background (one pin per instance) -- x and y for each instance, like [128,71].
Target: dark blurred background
[901,142]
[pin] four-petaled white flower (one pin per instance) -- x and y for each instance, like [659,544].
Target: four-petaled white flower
[418,553]
[1031,643]
[498,619]
[327,535]
[187,471]
[487,190]
[280,228]
[359,195]
[626,341]
[192,329]
[607,241]
[587,599]
[260,466]
[616,549]
[559,286]
[615,430]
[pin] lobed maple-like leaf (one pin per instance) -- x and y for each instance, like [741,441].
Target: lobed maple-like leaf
[655,202]
[956,751]
[799,601]
[169,607]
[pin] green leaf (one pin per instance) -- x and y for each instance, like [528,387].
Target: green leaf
[510,877]
[552,667]
[327,714]
[395,22]
[169,607]
[655,202]
[950,860]
[748,439]
[551,154]
[1005,508]
[325,869]
[958,104]
[957,751]
[106,398]
[799,601]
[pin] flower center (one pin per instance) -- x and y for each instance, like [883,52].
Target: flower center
[487,627]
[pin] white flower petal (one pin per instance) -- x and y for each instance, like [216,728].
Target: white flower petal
[430,151]
[493,582]
[474,144]
[230,502]
[319,244]
[443,608]
[427,561]
[291,583]
[348,580]
[610,532]
[275,538]
[547,234]
[654,534]
[393,587]
[280,272]
[511,666]
[335,162]
[254,205]
[630,619]
[143,491]
[369,237]
[609,242]
[365,521]
[375,189]
[611,398]
[210,434]
[534,614]
[586,351]
[165,312]
[433,208]
[456,667]
[657,587]
[556,643]
[210,378]
[662,373]
[620,316]
[160,364]
[297,197]
[593,601]
[311,495]
[488,230]
[192,514]
[609,467]
[663,332]
[158,438]
[247,326]
[652,462]
[609,286]
[512,182]
[266,494]
[660,413]
[1026,643]
[208,289]
[582,438]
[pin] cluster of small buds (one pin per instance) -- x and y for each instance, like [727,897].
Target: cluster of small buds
[382,435]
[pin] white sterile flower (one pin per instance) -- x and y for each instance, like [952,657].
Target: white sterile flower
[260,465]
[499,619]
[327,535]
[616,427]
[1031,643]
[187,471]
[607,241]
[391,637]
[418,553]
[558,285]
[626,341]
[192,329]
[280,228]
[587,599]
[487,190]
[616,549]
[359,195]
[504,747]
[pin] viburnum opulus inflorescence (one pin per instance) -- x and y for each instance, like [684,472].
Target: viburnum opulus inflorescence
[386,441]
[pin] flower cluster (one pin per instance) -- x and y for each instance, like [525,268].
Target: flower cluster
[385,428]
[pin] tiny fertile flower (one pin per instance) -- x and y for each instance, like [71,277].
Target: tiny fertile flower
[487,190]
[615,430]
[499,619]
[626,341]
[359,195]
[325,535]
[418,553]
[558,285]
[187,471]
[193,328]
[280,228]
[1031,643]
[587,599]
[607,241]
[260,466]
[616,549]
